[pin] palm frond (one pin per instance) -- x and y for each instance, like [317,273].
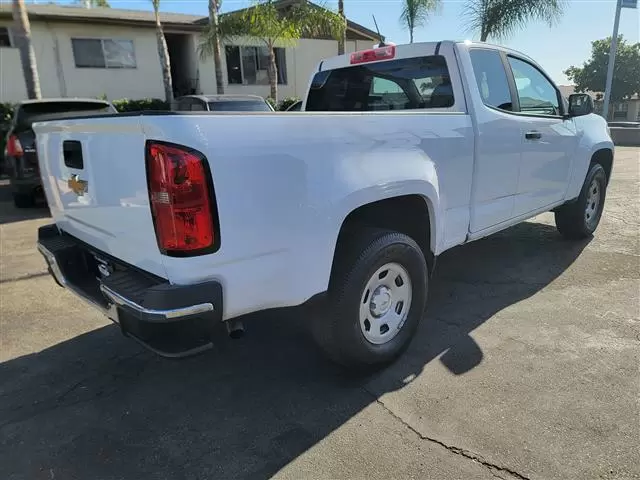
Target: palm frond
[499,19]
[416,12]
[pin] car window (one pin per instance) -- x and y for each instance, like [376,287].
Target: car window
[536,94]
[183,104]
[197,106]
[404,84]
[386,95]
[239,106]
[491,78]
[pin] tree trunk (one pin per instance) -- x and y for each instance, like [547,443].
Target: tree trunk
[484,32]
[217,56]
[165,63]
[22,35]
[273,74]
[343,36]
[411,35]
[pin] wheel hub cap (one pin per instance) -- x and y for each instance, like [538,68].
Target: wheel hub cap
[380,301]
[385,303]
[593,203]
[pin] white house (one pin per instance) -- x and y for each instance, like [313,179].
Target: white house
[90,52]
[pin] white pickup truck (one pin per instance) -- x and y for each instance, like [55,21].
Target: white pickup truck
[173,222]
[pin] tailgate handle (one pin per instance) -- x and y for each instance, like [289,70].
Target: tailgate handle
[72,152]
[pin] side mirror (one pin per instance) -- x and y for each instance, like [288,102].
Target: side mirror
[580,104]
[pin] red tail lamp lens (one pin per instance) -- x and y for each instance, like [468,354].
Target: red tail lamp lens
[180,199]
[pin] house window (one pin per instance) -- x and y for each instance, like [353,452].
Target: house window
[249,65]
[103,53]
[5,37]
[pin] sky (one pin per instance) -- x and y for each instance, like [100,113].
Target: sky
[555,48]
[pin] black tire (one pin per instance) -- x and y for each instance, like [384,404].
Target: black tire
[337,328]
[23,200]
[571,219]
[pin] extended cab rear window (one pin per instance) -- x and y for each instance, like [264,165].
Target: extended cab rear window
[404,84]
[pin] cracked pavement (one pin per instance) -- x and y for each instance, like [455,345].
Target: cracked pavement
[526,366]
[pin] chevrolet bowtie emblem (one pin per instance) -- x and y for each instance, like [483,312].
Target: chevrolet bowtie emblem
[77,186]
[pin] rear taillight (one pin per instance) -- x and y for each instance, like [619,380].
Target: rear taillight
[383,53]
[14,147]
[181,199]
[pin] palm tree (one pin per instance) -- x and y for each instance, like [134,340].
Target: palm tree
[342,39]
[211,47]
[498,19]
[273,26]
[22,36]
[163,53]
[415,13]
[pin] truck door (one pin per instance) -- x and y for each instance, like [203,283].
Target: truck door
[498,142]
[549,140]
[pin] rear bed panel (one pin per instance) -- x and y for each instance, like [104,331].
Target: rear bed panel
[113,214]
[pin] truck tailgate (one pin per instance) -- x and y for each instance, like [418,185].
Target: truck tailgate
[94,176]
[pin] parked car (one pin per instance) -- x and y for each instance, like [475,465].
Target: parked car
[221,103]
[295,107]
[20,156]
[179,222]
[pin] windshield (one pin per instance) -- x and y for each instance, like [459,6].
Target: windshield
[28,112]
[239,106]
[404,84]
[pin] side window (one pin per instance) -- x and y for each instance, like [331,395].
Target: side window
[184,105]
[386,95]
[491,78]
[404,84]
[537,95]
[197,106]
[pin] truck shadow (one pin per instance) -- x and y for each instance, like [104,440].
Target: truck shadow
[96,406]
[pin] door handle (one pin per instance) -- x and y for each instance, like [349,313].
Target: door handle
[533,135]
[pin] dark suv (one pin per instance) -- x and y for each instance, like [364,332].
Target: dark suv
[20,156]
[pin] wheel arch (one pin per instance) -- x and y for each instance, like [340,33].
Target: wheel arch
[604,156]
[413,214]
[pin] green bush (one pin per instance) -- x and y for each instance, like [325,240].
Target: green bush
[286,103]
[6,114]
[126,105]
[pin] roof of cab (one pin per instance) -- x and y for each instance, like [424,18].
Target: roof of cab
[341,61]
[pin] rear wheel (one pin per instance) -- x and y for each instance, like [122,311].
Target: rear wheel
[23,200]
[376,299]
[580,219]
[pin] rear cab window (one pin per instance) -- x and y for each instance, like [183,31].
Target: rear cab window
[402,84]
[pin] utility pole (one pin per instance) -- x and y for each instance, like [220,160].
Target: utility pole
[620,4]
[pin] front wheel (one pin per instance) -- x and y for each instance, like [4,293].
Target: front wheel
[377,297]
[580,219]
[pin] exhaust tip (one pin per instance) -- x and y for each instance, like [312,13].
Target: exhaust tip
[235,329]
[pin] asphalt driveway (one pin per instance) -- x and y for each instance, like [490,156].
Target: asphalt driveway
[526,366]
